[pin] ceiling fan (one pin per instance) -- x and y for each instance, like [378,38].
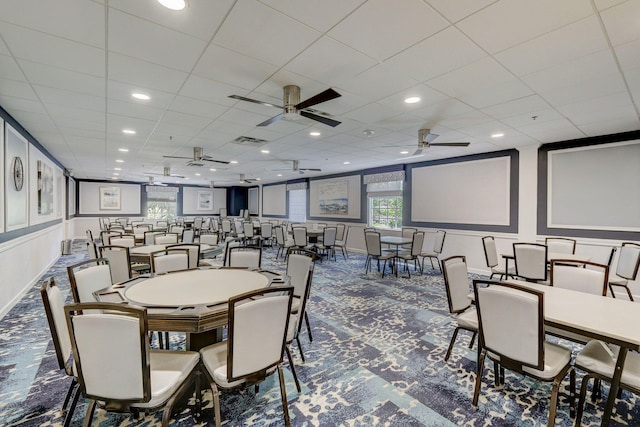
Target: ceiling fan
[198,158]
[297,168]
[246,180]
[152,182]
[166,172]
[293,108]
[425,138]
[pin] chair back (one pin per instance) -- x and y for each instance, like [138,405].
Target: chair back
[194,252]
[168,260]
[531,261]
[226,226]
[266,230]
[490,251]
[628,261]
[590,277]
[299,268]
[166,239]
[54,308]
[372,241]
[150,237]
[119,261]
[511,323]
[106,235]
[177,228]
[416,243]
[237,225]
[88,276]
[247,227]
[89,235]
[279,235]
[214,225]
[560,245]
[188,235]
[300,236]
[245,256]
[209,239]
[258,320]
[456,283]
[438,244]
[197,222]
[162,224]
[115,367]
[126,240]
[407,232]
[92,250]
[340,231]
[329,236]
[104,223]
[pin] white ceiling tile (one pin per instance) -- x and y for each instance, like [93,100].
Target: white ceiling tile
[263,33]
[153,43]
[516,107]
[10,70]
[339,62]
[16,89]
[628,56]
[611,107]
[445,51]
[562,45]
[534,116]
[132,109]
[15,105]
[455,11]
[434,113]
[209,90]
[483,73]
[375,84]
[371,113]
[410,21]
[197,107]
[4,50]
[130,70]
[45,75]
[552,131]
[49,95]
[122,92]
[605,4]
[487,96]
[609,126]
[508,23]
[55,51]
[621,22]
[318,14]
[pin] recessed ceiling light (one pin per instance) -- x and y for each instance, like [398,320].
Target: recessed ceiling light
[346,163]
[258,179]
[119,161]
[497,135]
[212,169]
[314,133]
[114,177]
[265,151]
[279,174]
[404,152]
[186,177]
[141,96]
[412,99]
[197,174]
[117,169]
[368,132]
[116,174]
[124,150]
[173,4]
[129,131]
[234,162]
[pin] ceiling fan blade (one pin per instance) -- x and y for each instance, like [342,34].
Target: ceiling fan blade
[271,120]
[418,152]
[450,144]
[178,157]
[255,101]
[324,96]
[209,159]
[325,120]
[311,169]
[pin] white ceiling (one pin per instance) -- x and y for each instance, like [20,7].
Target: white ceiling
[537,71]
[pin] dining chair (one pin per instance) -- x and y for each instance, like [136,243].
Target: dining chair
[249,235]
[590,277]
[210,239]
[341,242]
[560,245]
[244,256]
[456,283]
[166,239]
[188,235]
[327,246]
[258,325]
[266,234]
[512,334]
[150,237]
[407,232]
[438,245]
[162,225]
[300,236]
[119,372]
[413,254]
[531,261]
[225,225]
[92,250]
[178,229]
[119,261]
[491,258]
[168,260]
[107,234]
[300,267]
[627,268]
[282,241]
[374,251]
[127,240]
[598,360]
[194,252]
[88,276]
[54,309]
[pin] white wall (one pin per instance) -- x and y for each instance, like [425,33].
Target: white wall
[90,199]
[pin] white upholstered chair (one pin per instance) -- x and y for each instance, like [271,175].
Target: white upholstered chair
[194,252]
[258,324]
[512,334]
[119,261]
[417,240]
[531,261]
[627,268]
[491,257]
[119,371]
[210,239]
[342,238]
[560,245]
[374,251]
[438,245]
[88,276]
[167,260]
[589,277]
[166,239]
[456,282]
[127,240]
[244,256]
[283,242]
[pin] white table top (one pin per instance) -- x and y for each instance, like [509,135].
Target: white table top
[210,286]
[609,319]
[396,240]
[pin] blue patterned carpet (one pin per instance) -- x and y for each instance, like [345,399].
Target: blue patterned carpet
[377,358]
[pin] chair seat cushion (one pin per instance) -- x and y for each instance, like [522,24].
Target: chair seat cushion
[500,270]
[169,369]
[468,319]
[556,357]
[214,358]
[618,281]
[600,358]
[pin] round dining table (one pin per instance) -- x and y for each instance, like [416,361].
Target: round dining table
[192,301]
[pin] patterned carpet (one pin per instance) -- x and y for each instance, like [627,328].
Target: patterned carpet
[377,358]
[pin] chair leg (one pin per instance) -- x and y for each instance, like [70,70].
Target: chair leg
[453,340]
[553,403]
[473,339]
[572,393]
[293,368]
[72,408]
[306,321]
[476,389]
[69,392]
[216,403]
[300,349]
[283,395]
[581,399]
[90,409]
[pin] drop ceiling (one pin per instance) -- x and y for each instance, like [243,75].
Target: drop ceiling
[536,71]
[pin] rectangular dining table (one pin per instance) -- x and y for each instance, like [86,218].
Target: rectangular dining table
[611,320]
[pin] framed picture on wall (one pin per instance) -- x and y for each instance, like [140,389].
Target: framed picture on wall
[109,198]
[205,200]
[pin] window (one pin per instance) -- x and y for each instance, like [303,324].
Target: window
[298,205]
[385,204]
[162,204]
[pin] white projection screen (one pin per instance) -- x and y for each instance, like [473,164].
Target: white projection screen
[274,200]
[595,187]
[466,192]
[253,201]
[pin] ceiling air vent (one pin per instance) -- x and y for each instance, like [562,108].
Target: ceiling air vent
[247,140]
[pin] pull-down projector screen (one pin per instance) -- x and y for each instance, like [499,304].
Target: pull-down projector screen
[274,200]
